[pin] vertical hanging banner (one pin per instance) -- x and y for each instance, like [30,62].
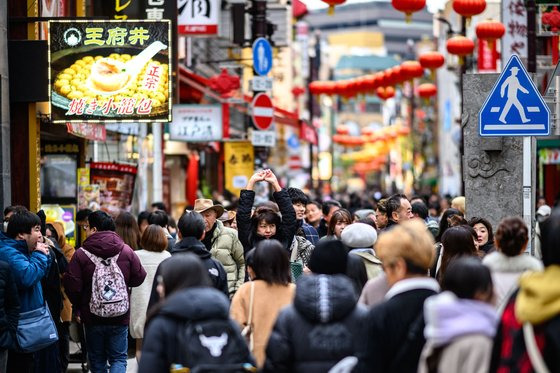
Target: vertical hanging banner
[116,184]
[239,165]
[514,41]
[109,71]
[487,57]
[198,17]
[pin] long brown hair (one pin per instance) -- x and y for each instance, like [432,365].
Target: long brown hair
[127,229]
[337,216]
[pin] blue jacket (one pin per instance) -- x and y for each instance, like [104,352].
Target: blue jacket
[28,270]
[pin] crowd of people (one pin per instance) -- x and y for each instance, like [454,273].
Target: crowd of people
[393,284]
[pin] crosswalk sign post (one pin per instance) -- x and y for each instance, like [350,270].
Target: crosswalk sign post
[514,107]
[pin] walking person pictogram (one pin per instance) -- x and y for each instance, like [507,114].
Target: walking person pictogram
[513,85]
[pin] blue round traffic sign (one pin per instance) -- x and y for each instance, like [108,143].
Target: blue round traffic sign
[262,56]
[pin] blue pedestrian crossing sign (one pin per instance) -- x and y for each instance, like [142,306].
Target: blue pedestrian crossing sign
[262,56]
[514,107]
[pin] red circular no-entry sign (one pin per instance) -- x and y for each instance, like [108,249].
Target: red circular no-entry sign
[263,111]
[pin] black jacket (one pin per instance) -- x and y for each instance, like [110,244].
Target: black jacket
[323,326]
[215,268]
[395,333]
[9,307]
[247,230]
[161,345]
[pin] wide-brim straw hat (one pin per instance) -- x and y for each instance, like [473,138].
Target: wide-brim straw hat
[202,204]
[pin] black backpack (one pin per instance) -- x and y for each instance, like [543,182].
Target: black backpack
[213,345]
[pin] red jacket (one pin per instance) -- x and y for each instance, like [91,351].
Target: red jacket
[77,279]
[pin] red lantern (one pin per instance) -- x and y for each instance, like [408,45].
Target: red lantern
[297,91]
[426,91]
[393,75]
[342,130]
[331,4]
[408,7]
[411,70]
[431,60]
[370,83]
[385,92]
[490,30]
[460,46]
[469,8]
[551,22]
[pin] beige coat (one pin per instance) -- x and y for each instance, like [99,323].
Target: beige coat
[267,303]
[228,250]
[467,354]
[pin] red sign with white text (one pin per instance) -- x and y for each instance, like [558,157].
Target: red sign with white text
[487,57]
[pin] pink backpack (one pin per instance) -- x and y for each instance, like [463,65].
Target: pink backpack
[109,293]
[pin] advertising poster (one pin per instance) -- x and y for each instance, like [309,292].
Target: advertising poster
[65,214]
[116,185]
[239,165]
[196,123]
[89,197]
[110,71]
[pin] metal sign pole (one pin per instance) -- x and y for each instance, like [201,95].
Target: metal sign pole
[527,190]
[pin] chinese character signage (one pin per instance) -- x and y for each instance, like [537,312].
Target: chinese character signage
[198,17]
[239,165]
[136,9]
[90,131]
[263,138]
[514,17]
[110,71]
[196,123]
[487,57]
[116,185]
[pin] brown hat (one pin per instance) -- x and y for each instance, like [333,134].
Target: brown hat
[227,216]
[201,205]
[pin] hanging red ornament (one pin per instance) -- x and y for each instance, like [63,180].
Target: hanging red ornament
[490,30]
[332,4]
[411,70]
[408,7]
[469,8]
[432,61]
[460,46]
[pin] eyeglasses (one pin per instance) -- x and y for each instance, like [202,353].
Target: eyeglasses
[85,226]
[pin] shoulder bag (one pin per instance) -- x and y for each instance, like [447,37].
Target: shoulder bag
[36,330]
[247,331]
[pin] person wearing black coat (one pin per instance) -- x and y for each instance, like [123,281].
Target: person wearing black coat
[191,229]
[265,223]
[323,326]
[395,328]
[9,312]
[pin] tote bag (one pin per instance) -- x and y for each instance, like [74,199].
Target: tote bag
[36,330]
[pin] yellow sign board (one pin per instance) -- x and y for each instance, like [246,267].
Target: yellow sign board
[239,165]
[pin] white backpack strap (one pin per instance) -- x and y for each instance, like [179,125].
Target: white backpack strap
[533,350]
[94,258]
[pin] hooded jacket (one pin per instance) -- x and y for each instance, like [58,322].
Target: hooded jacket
[247,231]
[28,270]
[77,280]
[159,350]
[68,251]
[464,329]
[9,307]
[322,327]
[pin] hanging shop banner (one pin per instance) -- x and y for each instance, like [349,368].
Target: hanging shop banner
[136,9]
[90,131]
[116,185]
[514,41]
[487,57]
[83,176]
[110,71]
[198,17]
[194,123]
[239,165]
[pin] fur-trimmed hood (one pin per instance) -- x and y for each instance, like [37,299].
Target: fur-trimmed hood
[499,262]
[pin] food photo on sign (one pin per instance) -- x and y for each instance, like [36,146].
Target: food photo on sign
[108,71]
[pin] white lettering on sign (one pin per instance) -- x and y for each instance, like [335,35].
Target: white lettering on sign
[263,138]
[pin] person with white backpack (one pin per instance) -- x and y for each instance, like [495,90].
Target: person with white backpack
[97,283]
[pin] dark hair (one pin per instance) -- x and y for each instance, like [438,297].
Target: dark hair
[54,233]
[22,222]
[159,206]
[144,215]
[83,214]
[297,196]
[316,203]
[337,216]
[267,205]
[382,205]
[420,209]
[154,239]
[394,204]
[486,223]
[271,263]
[467,276]
[127,228]
[249,258]
[356,271]
[178,272]
[101,221]
[511,236]
[550,236]
[444,223]
[158,217]
[267,215]
[191,224]
[457,241]
[14,209]
[326,206]
[368,221]
[455,220]
[171,222]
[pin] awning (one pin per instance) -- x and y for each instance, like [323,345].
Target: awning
[187,78]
